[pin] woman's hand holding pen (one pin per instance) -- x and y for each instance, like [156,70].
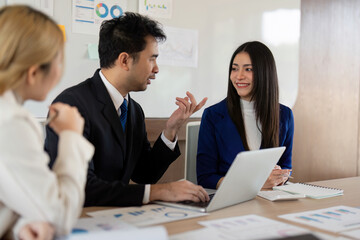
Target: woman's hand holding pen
[65,117]
[277,177]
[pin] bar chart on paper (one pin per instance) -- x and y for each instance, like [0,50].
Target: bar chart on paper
[112,228]
[251,227]
[334,219]
[147,215]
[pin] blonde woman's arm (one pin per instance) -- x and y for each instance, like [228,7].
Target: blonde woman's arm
[29,187]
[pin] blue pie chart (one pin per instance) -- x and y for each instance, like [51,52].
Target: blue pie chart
[116,11]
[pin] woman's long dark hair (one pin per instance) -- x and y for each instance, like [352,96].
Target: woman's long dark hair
[265,94]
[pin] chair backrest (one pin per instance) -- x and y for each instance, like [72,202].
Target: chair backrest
[192,135]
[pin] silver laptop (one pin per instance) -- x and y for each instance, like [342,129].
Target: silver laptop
[242,182]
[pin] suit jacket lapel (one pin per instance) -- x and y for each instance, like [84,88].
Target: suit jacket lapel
[109,110]
[229,133]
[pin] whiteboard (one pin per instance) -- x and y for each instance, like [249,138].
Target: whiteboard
[221,27]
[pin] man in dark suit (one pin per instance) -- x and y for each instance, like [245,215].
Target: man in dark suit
[114,122]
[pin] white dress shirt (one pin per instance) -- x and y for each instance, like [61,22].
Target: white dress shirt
[27,186]
[118,99]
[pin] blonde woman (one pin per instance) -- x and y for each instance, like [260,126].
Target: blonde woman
[34,200]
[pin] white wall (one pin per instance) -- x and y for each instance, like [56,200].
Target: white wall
[222,27]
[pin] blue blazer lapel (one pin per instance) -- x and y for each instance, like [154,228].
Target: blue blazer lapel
[230,143]
[229,132]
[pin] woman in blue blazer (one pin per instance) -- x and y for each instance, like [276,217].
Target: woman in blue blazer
[250,118]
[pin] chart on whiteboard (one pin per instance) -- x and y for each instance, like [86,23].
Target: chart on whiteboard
[87,16]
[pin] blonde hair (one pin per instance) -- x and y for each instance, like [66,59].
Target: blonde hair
[27,38]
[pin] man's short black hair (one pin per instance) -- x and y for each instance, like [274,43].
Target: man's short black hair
[126,34]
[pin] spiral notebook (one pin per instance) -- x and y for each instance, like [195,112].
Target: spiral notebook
[310,190]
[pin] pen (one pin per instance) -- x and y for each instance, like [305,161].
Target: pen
[286,175]
[52,117]
[290,174]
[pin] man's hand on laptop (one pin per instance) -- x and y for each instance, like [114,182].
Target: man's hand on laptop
[178,191]
[277,177]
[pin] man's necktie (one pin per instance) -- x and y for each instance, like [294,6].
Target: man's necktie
[123,115]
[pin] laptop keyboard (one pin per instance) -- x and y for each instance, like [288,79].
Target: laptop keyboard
[197,204]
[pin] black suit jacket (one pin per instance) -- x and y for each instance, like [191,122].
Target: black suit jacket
[118,156]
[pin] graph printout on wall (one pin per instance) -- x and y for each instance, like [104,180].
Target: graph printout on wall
[156,8]
[180,48]
[46,6]
[87,15]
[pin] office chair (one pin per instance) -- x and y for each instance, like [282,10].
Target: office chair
[192,135]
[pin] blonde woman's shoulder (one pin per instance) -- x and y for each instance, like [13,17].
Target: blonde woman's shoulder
[10,111]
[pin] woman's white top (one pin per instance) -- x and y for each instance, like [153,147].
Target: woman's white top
[252,128]
[29,190]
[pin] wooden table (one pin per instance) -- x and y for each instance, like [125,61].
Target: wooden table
[265,208]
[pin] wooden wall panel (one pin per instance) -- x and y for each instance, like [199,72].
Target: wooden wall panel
[326,141]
